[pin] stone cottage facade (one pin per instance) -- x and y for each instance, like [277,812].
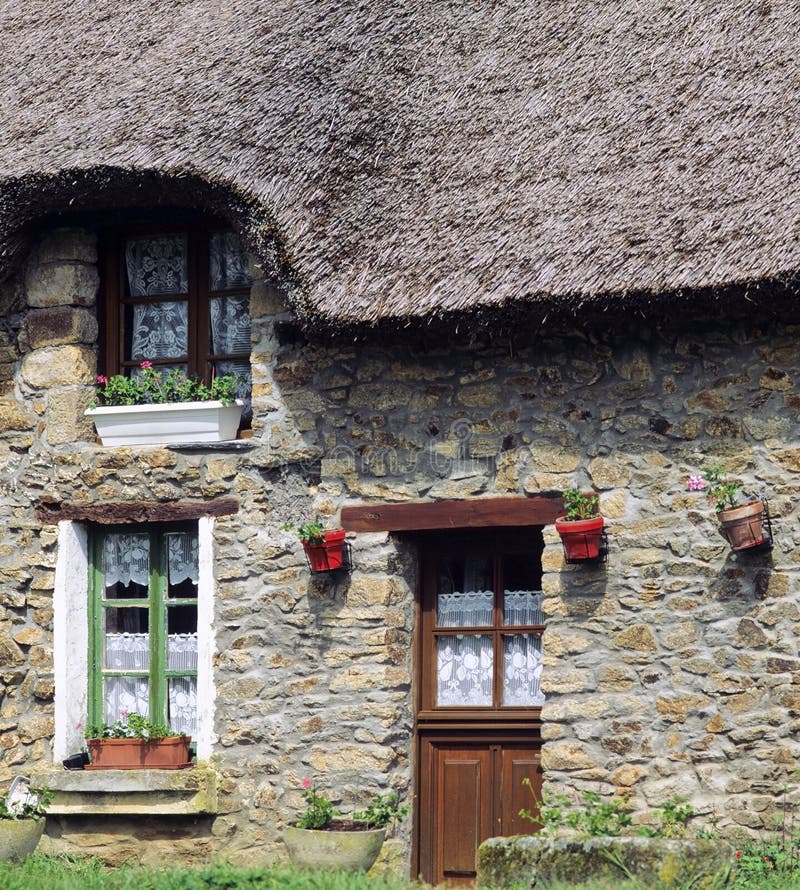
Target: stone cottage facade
[477,264]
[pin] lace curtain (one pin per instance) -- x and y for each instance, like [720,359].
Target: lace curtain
[126,558]
[522,607]
[522,669]
[465,609]
[228,265]
[131,652]
[160,330]
[157,265]
[182,550]
[465,669]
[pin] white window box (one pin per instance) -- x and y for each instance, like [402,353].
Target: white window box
[167,424]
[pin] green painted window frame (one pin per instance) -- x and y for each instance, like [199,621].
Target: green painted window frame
[157,604]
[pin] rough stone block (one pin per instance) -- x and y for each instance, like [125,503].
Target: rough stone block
[59,366]
[65,419]
[61,284]
[68,244]
[62,324]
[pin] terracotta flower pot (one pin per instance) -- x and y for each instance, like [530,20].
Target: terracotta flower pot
[743,526]
[581,537]
[328,555]
[319,848]
[19,837]
[169,753]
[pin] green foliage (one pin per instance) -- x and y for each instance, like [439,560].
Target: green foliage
[384,810]
[131,726]
[35,807]
[723,491]
[57,873]
[319,810]
[672,819]
[312,532]
[580,506]
[153,386]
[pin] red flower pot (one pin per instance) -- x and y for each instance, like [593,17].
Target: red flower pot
[169,753]
[581,537]
[328,555]
[743,526]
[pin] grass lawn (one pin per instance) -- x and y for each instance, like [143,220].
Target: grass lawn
[53,873]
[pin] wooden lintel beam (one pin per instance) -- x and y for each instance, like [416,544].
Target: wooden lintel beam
[474,513]
[134,511]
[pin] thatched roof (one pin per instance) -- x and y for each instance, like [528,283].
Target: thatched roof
[422,158]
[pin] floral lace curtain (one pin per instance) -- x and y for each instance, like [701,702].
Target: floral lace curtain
[522,607]
[159,330]
[157,265]
[126,559]
[228,265]
[131,652]
[182,550]
[465,609]
[522,669]
[465,669]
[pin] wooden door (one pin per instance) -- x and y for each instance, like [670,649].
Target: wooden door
[479,697]
[471,791]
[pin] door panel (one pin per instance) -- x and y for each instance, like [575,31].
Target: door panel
[471,791]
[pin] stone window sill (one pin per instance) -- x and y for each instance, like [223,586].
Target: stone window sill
[147,791]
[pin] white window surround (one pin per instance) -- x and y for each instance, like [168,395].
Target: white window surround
[71,639]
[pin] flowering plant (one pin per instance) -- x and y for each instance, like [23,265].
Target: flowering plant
[23,802]
[153,386]
[320,813]
[131,726]
[719,488]
[580,506]
[312,532]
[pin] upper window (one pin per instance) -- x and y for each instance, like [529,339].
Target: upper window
[143,625]
[482,623]
[179,298]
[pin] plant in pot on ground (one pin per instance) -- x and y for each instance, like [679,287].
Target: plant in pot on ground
[22,812]
[134,742]
[324,840]
[740,516]
[581,527]
[325,549]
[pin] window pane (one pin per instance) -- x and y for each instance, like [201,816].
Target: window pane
[157,265]
[182,650]
[182,550]
[182,704]
[125,695]
[230,325]
[522,607]
[126,566]
[522,669]
[228,265]
[182,619]
[156,330]
[127,639]
[464,670]
[522,572]
[466,597]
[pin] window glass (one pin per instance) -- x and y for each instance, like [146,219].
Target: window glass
[465,596]
[157,265]
[465,669]
[157,330]
[522,669]
[228,265]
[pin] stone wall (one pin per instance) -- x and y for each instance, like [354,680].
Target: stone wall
[669,670]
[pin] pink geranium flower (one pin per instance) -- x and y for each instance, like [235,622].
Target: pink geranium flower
[696,483]
[146,364]
[307,784]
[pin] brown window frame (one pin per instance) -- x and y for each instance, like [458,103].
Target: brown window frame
[114,297]
[527,541]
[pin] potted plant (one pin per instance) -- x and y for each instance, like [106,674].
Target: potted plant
[581,527]
[741,517]
[134,742]
[322,840]
[22,812]
[326,550]
[157,407]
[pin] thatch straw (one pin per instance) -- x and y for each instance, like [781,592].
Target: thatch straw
[423,158]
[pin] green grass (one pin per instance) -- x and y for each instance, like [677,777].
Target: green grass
[46,873]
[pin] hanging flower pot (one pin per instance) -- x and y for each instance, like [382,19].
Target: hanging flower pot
[581,537]
[743,526]
[581,529]
[328,555]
